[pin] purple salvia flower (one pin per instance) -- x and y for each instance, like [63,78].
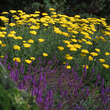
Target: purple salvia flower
[84,72]
[29,68]
[75,91]
[28,77]
[65,92]
[59,82]
[12,75]
[17,75]
[45,82]
[22,68]
[41,77]
[39,97]
[51,97]
[72,70]
[98,79]
[15,64]
[76,76]
[49,62]
[93,70]
[59,106]
[87,91]
[49,100]
[34,80]
[40,60]
[9,66]
[21,85]
[102,84]
[34,91]
[46,103]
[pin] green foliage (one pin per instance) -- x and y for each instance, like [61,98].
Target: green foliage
[90,103]
[10,97]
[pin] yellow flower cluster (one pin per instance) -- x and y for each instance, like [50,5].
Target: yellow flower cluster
[77,34]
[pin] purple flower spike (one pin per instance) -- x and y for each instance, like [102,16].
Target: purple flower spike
[102,85]
[34,91]
[41,77]
[21,85]
[22,68]
[9,66]
[12,75]
[39,97]
[59,106]
[87,91]
[15,64]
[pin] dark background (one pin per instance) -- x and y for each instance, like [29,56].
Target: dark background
[96,8]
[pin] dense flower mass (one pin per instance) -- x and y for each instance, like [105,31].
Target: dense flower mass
[31,40]
[60,33]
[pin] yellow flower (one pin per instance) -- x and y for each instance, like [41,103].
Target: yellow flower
[84,51]
[101,60]
[16,47]
[32,58]
[3,28]
[68,57]
[106,66]
[34,27]
[11,35]
[1,56]
[17,59]
[41,40]
[68,67]
[0,42]
[45,54]
[107,53]
[37,12]
[66,41]
[65,34]
[83,54]
[51,9]
[30,41]
[33,32]
[60,48]
[12,11]
[73,49]
[77,16]
[12,32]
[90,58]
[85,66]
[3,45]
[18,37]
[94,54]
[74,40]
[12,24]
[26,45]
[4,12]
[44,14]
[24,41]
[97,50]
[28,61]
[77,46]
[88,42]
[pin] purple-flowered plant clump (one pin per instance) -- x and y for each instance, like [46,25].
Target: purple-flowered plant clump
[54,87]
